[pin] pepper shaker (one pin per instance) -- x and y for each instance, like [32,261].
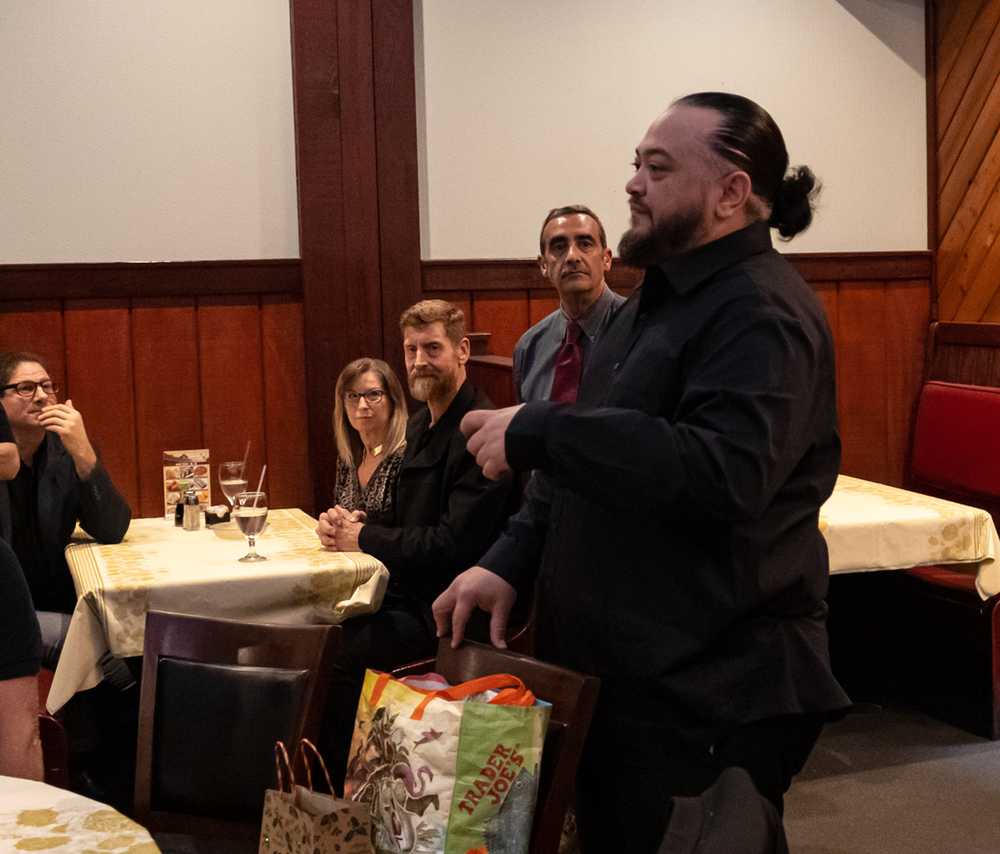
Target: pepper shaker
[192,511]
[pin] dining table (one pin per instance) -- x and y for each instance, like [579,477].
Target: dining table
[872,526]
[160,566]
[35,816]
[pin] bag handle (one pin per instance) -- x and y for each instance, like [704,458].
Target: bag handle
[308,764]
[279,752]
[511,691]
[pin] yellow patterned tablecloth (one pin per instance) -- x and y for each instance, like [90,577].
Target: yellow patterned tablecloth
[38,817]
[162,567]
[871,526]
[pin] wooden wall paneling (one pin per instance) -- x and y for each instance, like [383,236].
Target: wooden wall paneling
[319,162]
[953,21]
[231,380]
[504,314]
[979,282]
[286,393]
[908,315]
[979,198]
[101,384]
[167,390]
[359,311]
[963,90]
[541,303]
[861,379]
[958,168]
[398,190]
[36,327]
[156,279]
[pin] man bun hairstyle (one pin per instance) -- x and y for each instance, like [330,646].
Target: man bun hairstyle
[750,139]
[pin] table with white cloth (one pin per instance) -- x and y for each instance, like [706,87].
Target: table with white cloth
[870,526]
[39,817]
[162,567]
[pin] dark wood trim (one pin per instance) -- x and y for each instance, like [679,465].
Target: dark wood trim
[523,274]
[160,279]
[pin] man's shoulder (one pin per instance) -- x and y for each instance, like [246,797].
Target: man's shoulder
[547,323]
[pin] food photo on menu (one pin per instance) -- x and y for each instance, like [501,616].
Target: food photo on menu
[183,471]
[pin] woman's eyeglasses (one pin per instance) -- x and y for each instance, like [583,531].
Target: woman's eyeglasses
[372,396]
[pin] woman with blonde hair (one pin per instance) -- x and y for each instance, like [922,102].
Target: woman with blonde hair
[369,422]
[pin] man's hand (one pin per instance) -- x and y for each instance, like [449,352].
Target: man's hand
[67,423]
[338,529]
[474,588]
[485,430]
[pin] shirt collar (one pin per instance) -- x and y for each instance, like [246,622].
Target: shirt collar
[686,271]
[593,318]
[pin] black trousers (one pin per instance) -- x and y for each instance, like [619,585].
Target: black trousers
[624,790]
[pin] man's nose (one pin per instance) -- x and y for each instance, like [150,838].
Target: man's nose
[634,185]
[419,358]
[39,394]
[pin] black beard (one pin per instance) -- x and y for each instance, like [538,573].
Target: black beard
[666,240]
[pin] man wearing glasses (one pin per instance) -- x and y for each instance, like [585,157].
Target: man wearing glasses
[60,482]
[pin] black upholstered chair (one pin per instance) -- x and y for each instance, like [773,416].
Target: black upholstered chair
[216,695]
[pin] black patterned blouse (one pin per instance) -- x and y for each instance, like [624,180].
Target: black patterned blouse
[376,498]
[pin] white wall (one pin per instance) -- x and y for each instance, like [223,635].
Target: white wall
[524,105]
[146,130]
[162,130]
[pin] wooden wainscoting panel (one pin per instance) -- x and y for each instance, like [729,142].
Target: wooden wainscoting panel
[167,389]
[504,314]
[861,378]
[908,318]
[36,327]
[230,367]
[285,395]
[101,384]
[541,303]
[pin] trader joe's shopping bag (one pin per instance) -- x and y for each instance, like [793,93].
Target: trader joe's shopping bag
[449,771]
[301,821]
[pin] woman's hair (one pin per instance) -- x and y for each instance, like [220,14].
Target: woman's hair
[750,139]
[350,448]
[10,361]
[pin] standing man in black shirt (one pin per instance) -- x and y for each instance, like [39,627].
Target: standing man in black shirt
[673,521]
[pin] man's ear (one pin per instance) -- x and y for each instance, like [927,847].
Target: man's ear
[464,351]
[543,267]
[607,258]
[735,190]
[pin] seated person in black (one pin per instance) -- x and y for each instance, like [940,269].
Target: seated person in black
[60,482]
[444,514]
[20,657]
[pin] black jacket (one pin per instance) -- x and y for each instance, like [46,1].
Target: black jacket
[446,512]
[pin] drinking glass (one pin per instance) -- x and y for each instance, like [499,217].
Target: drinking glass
[250,511]
[232,481]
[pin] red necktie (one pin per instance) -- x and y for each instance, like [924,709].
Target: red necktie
[567,376]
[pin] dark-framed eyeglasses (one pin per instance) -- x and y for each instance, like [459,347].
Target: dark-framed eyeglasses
[27,387]
[372,396]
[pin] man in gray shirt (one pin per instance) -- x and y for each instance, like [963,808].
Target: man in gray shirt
[574,257]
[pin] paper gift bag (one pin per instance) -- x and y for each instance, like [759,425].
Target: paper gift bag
[301,821]
[447,770]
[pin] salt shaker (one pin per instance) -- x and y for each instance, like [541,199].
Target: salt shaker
[192,511]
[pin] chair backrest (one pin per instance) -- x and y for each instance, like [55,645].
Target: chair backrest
[955,450]
[216,695]
[572,696]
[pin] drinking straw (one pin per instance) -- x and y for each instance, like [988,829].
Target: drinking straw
[259,485]
[243,467]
